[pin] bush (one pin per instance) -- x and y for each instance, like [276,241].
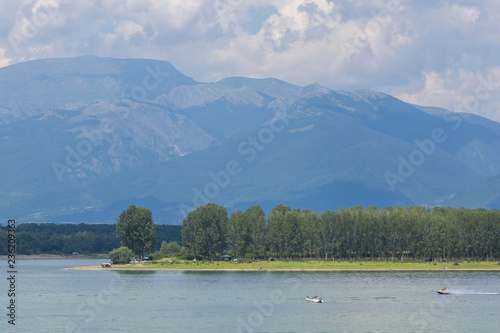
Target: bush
[184,255]
[167,250]
[170,248]
[121,255]
[158,255]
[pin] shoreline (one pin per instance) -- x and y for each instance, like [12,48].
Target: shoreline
[281,267]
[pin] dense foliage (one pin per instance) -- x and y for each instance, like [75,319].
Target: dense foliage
[171,249]
[204,230]
[402,233]
[247,232]
[50,238]
[121,255]
[137,230]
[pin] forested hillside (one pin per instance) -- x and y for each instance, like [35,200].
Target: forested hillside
[34,238]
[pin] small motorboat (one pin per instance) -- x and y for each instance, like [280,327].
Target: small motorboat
[314,299]
[443,291]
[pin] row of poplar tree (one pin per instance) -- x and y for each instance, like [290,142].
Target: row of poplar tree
[393,233]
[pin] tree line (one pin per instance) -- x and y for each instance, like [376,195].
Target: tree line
[50,238]
[392,233]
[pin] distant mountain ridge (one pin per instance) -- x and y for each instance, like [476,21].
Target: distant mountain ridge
[84,137]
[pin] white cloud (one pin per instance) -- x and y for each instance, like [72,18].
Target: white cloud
[465,14]
[4,61]
[164,16]
[458,90]
[128,29]
[436,91]
[425,52]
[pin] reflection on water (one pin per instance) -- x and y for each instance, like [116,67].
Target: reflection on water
[135,273]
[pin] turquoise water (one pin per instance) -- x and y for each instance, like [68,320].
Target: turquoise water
[53,300]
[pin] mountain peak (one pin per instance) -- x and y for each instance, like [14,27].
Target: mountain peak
[55,83]
[315,88]
[269,86]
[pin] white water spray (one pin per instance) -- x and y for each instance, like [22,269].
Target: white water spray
[468,292]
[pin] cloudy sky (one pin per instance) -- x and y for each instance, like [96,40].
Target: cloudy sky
[429,52]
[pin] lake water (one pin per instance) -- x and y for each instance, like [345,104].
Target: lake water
[53,300]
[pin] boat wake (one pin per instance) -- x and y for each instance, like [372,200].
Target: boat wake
[468,292]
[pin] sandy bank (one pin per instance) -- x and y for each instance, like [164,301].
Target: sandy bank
[141,267]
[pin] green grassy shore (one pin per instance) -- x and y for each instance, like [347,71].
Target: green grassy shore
[301,266]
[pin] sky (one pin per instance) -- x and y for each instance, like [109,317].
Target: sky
[427,52]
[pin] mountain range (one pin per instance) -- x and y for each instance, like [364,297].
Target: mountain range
[83,138]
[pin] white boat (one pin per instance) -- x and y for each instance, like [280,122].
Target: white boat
[314,299]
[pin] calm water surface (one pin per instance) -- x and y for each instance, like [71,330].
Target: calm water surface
[53,300]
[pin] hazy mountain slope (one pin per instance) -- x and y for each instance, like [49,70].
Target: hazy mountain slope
[476,140]
[35,86]
[321,157]
[239,109]
[83,138]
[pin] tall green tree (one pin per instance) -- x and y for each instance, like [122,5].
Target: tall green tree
[239,234]
[326,235]
[137,230]
[294,241]
[204,231]
[278,230]
[310,230]
[256,220]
